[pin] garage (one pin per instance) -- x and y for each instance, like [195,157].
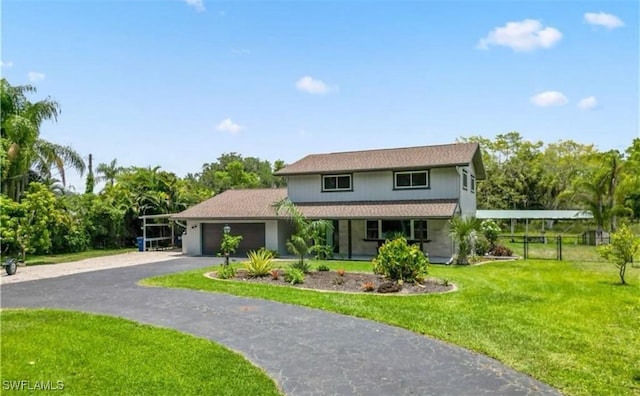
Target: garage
[253,237]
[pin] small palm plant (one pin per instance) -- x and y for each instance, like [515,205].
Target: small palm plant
[308,235]
[462,230]
[260,263]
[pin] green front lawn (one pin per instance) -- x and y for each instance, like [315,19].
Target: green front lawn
[565,323]
[83,354]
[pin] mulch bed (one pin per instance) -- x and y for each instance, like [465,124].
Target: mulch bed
[350,282]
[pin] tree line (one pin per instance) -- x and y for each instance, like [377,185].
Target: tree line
[39,214]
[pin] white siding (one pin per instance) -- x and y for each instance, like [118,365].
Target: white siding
[284,233]
[271,234]
[375,186]
[193,239]
[467,198]
[441,244]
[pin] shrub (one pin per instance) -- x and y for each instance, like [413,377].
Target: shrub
[293,276]
[338,280]
[624,246]
[260,263]
[368,286]
[491,231]
[482,245]
[340,271]
[322,267]
[303,266]
[275,274]
[397,261]
[226,272]
[501,251]
[230,243]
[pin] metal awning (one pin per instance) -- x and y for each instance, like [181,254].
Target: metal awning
[535,214]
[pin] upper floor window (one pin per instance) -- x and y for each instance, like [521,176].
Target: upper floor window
[411,179]
[465,179]
[473,183]
[336,183]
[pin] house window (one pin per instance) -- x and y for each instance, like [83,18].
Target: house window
[465,179]
[411,179]
[473,183]
[385,229]
[420,229]
[391,228]
[336,183]
[373,231]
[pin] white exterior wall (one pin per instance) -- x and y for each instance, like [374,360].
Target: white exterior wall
[441,244]
[193,240]
[376,186]
[467,198]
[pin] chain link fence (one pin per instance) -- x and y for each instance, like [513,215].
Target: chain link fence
[557,247]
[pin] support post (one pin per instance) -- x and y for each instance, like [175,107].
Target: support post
[349,235]
[559,247]
[144,233]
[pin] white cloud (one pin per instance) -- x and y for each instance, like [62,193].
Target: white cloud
[549,98]
[603,19]
[310,85]
[198,5]
[526,35]
[6,65]
[588,103]
[35,76]
[227,125]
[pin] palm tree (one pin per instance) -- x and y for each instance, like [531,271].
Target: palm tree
[462,230]
[304,230]
[108,172]
[22,149]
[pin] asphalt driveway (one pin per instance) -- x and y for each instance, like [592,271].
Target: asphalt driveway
[306,351]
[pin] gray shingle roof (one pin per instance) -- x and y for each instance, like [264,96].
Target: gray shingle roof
[256,204]
[390,159]
[237,204]
[380,209]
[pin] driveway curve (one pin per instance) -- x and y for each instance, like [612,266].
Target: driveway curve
[306,351]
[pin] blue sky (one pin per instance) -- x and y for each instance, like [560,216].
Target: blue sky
[177,83]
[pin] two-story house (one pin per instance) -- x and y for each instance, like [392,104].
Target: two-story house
[368,195]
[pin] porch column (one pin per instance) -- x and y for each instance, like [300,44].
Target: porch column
[349,237]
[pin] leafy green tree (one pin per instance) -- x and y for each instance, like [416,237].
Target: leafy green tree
[10,214]
[628,192]
[40,215]
[462,230]
[595,187]
[513,166]
[623,248]
[231,170]
[561,163]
